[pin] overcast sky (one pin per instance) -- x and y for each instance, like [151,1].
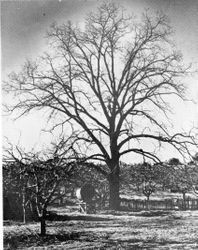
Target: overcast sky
[23,29]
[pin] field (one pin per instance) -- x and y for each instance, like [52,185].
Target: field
[108,230]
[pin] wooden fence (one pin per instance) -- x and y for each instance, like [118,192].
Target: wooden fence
[179,204]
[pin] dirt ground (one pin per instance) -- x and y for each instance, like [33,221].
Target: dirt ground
[109,230]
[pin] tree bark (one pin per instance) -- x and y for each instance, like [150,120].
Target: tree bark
[114,186]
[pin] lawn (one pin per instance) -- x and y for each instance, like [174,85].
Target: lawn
[108,230]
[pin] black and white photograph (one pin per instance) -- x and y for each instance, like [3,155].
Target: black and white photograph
[99,124]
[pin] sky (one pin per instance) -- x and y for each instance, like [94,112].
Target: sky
[23,30]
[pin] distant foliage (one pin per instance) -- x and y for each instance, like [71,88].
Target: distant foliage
[178,177]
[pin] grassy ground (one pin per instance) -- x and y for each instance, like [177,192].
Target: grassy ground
[116,230]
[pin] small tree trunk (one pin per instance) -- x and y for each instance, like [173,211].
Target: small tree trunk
[24,207]
[184,199]
[184,196]
[147,201]
[43,224]
[73,193]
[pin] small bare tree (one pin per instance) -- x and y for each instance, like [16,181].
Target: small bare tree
[39,177]
[111,79]
[146,177]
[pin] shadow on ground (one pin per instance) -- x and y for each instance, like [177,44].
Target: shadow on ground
[51,216]
[36,240]
[84,239]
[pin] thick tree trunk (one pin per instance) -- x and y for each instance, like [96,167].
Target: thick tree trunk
[114,186]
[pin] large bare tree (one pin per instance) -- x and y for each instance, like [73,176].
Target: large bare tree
[111,78]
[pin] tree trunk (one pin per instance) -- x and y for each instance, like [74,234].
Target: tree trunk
[184,200]
[24,206]
[43,224]
[184,196]
[147,200]
[114,186]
